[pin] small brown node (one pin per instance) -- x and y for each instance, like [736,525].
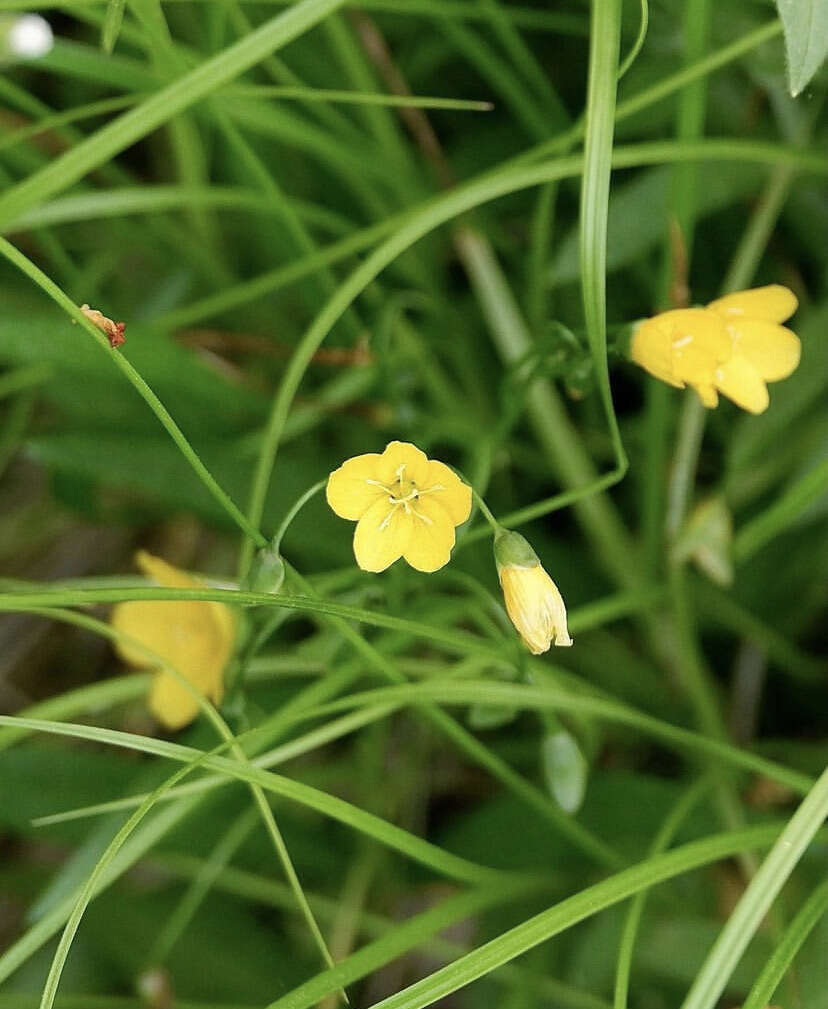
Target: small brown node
[114,331]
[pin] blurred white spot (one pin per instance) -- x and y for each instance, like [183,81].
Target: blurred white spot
[30,37]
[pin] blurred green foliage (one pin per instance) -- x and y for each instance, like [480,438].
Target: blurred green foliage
[222,234]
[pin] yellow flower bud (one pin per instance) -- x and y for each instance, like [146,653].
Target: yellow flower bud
[533,602]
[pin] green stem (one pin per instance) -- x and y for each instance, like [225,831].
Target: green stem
[486,512]
[49,287]
[626,947]
[297,506]
[808,917]
[757,899]
[685,461]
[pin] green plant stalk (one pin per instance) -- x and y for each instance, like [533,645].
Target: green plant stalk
[457,640]
[162,106]
[397,941]
[758,898]
[485,511]
[14,426]
[468,744]
[800,928]
[306,743]
[20,379]
[40,933]
[780,515]
[550,698]
[56,294]
[415,226]
[626,947]
[526,17]
[605,36]
[552,425]
[690,119]
[158,662]
[187,907]
[95,879]
[249,886]
[294,510]
[548,923]
[640,38]
[443,862]
[623,157]
[543,926]
[685,460]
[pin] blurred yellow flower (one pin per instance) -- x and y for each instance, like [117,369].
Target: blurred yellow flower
[404,504]
[733,346]
[195,638]
[533,602]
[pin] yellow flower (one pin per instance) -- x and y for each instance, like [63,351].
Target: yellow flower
[733,346]
[404,504]
[533,602]
[196,638]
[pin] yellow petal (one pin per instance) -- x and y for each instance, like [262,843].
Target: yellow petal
[708,395]
[771,349]
[348,492]
[698,342]
[172,704]
[401,455]
[382,536]
[740,381]
[651,350]
[188,635]
[165,574]
[773,303]
[195,638]
[432,537]
[455,496]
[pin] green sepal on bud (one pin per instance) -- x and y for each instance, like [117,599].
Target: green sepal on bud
[267,572]
[513,550]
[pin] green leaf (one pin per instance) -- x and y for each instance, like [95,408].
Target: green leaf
[112,25]
[806,39]
[637,212]
[565,769]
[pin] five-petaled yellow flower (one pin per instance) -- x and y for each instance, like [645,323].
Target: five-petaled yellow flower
[196,638]
[404,504]
[533,602]
[733,346]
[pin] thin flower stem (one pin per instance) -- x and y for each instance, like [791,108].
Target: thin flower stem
[298,505]
[685,461]
[49,287]
[666,833]
[229,742]
[486,512]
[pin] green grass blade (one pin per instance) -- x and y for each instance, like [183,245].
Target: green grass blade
[757,899]
[163,106]
[800,928]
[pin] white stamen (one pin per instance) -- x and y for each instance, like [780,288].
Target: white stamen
[682,342]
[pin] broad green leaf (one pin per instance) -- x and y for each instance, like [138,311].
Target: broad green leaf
[806,39]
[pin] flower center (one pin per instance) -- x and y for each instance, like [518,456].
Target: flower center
[404,493]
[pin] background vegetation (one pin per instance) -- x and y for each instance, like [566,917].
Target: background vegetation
[311,263]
